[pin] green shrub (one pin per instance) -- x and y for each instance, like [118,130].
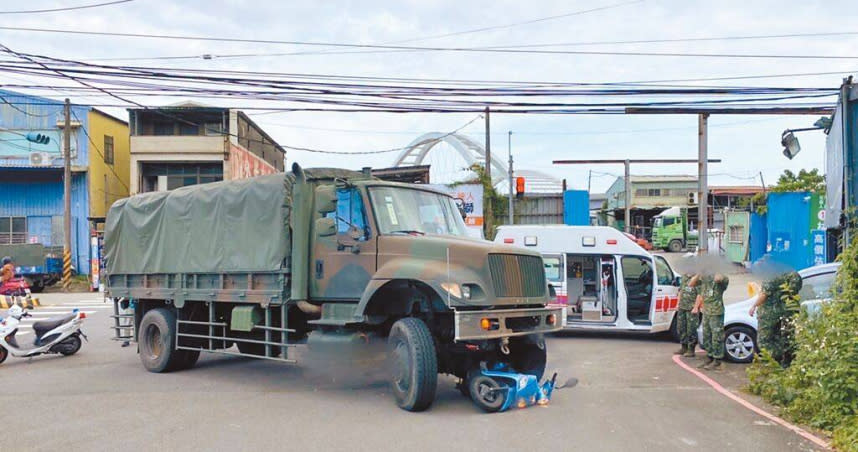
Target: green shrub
[846,436]
[820,387]
[767,379]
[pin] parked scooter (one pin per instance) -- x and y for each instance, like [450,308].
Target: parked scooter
[15,287]
[55,335]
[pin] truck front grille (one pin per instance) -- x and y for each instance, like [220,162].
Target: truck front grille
[516,275]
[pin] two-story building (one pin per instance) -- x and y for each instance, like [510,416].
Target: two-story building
[31,173]
[189,144]
[649,196]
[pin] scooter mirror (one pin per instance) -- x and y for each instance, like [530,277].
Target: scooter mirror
[570,382]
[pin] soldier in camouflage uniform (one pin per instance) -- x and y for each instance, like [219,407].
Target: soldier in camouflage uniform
[711,299]
[775,307]
[686,321]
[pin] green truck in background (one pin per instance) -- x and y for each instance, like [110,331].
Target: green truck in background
[323,259]
[675,229]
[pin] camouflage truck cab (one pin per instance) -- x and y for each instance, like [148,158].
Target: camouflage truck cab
[322,258]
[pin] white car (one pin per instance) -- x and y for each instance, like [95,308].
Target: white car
[740,329]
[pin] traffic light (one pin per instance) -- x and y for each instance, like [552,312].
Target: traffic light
[519,187]
[38,138]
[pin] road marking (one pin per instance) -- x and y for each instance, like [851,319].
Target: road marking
[41,313]
[715,385]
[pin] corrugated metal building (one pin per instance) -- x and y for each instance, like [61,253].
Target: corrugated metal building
[31,174]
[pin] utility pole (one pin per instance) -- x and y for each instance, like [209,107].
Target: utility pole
[589,177]
[67,197]
[487,200]
[762,182]
[703,186]
[627,185]
[509,146]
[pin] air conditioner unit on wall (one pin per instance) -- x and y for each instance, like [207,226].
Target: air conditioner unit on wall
[40,159]
[692,198]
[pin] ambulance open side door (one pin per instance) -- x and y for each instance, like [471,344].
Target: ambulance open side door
[665,296]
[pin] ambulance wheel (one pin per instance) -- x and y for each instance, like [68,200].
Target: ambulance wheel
[674,246]
[413,364]
[487,393]
[528,357]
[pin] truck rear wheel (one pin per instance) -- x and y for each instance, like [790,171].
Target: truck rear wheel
[158,342]
[414,364]
[674,246]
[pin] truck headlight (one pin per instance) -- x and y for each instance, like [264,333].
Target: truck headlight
[466,292]
[453,289]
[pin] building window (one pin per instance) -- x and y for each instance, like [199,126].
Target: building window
[737,234]
[169,176]
[13,230]
[163,128]
[213,128]
[108,149]
[188,129]
[648,192]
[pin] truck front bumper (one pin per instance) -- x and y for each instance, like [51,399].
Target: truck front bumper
[469,325]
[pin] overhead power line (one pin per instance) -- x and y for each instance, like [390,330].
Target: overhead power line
[434,48]
[211,56]
[517,24]
[430,140]
[69,8]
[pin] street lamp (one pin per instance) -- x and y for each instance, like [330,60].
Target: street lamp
[790,142]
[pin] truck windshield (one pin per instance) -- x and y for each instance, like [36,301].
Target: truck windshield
[407,211]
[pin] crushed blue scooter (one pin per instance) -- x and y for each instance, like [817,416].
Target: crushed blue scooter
[501,388]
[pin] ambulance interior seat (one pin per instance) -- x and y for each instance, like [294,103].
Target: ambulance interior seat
[638,279]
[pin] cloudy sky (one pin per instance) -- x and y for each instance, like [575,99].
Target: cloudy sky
[747,144]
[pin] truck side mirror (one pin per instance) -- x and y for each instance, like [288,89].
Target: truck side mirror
[326,199]
[326,227]
[677,281]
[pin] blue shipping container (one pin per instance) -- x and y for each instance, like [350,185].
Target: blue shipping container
[576,208]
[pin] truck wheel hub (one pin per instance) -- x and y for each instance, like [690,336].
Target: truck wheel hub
[401,366]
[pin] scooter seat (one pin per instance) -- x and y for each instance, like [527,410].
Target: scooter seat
[43,326]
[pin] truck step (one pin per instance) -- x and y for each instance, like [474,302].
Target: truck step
[329,322]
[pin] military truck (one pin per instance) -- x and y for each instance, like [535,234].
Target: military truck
[675,229]
[323,259]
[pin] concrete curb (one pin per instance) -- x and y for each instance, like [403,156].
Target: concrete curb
[715,385]
[7,302]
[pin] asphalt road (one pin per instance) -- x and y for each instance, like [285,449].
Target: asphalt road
[631,396]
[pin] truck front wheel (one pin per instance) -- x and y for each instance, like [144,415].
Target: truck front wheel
[414,364]
[674,246]
[158,342]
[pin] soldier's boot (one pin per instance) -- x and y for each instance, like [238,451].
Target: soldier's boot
[706,361]
[690,352]
[682,350]
[717,365]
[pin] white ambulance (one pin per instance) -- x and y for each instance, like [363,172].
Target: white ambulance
[605,280]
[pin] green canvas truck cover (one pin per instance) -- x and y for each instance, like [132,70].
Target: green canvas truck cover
[226,226]
[231,226]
